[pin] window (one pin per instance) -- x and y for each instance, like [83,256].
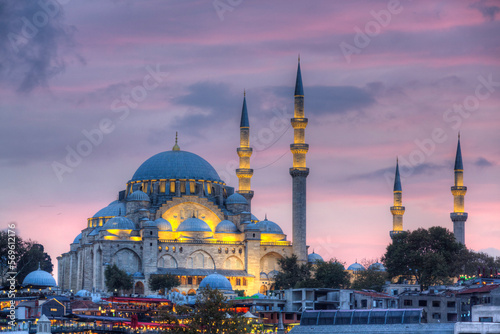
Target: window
[150,232]
[190,280]
[436,316]
[450,304]
[422,303]
[238,281]
[485,319]
[407,302]
[289,316]
[363,303]
[436,303]
[244,282]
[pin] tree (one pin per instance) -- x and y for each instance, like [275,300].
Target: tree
[370,279]
[214,315]
[163,282]
[33,258]
[431,256]
[292,274]
[474,261]
[331,274]
[117,279]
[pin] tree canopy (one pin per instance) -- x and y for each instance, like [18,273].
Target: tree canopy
[331,274]
[163,282]
[117,279]
[292,274]
[431,255]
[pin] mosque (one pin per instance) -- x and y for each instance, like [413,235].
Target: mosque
[177,216]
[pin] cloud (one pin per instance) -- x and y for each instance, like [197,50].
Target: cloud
[33,43]
[483,162]
[488,11]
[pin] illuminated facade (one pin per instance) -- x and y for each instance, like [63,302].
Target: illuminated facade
[177,216]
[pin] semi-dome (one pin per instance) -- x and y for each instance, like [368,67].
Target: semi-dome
[163,225]
[119,223]
[176,165]
[138,195]
[313,257]
[356,267]
[77,239]
[216,281]
[114,209]
[193,225]
[267,226]
[377,266]
[236,199]
[39,278]
[226,226]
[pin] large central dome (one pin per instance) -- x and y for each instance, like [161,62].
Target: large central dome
[176,165]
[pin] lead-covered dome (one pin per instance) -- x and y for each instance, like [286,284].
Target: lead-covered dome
[193,225]
[356,267]
[39,278]
[226,226]
[377,266]
[176,165]
[77,239]
[236,199]
[163,225]
[119,223]
[115,208]
[216,281]
[313,257]
[139,196]
[267,226]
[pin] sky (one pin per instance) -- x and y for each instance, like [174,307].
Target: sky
[91,89]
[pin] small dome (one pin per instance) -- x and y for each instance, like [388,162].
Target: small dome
[39,278]
[251,227]
[119,223]
[226,226]
[272,274]
[138,195]
[377,266]
[114,209]
[193,225]
[83,293]
[163,225]
[263,275]
[267,226]
[148,223]
[355,267]
[236,199]
[216,281]
[77,239]
[313,257]
[138,274]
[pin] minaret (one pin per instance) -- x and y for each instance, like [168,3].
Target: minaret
[244,172]
[458,216]
[299,172]
[398,209]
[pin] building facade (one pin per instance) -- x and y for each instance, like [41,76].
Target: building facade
[177,216]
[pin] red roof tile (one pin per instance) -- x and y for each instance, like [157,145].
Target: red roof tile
[374,294]
[482,289]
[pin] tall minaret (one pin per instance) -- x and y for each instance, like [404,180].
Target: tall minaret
[244,173]
[458,216]
[398,209]
[299,172]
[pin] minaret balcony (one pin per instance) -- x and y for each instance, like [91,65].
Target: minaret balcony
[393,233]
[244,152]
[398,210]
[244,172]
[299,123]
[299,148]
[299,171]
[459,216]
[458,190]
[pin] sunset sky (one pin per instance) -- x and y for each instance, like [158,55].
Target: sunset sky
[381,78]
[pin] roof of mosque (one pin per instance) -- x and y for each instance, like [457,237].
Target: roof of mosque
[193,225]
[377,266]
[138,195]
[267,226]
[115,208]
[216,281]
[78,238]
[163,225]
[39,277]
[313,257]
[119,223]
[176,165]
[226,226]
[236,199]
[355,266]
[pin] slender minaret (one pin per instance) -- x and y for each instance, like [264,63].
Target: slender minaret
[458,216]
[299,172]
[398,209]
[244,173]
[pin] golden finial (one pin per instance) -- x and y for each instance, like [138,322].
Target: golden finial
[176,147]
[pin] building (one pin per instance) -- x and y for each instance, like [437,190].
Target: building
[438,306]
[487,295]
[177,216]
[485,320]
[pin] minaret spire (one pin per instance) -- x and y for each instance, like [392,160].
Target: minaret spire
[458,216]
[299,171]
[398,209]
[244,172]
